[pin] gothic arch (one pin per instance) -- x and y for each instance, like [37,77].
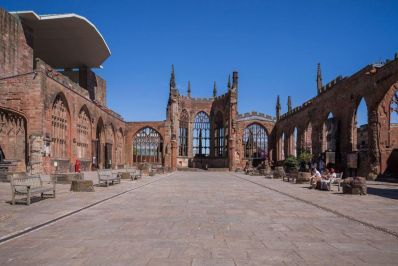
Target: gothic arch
[84,134]
[147,146]
[60,127]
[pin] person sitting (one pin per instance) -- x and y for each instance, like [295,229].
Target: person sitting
[315,177]
[327,178]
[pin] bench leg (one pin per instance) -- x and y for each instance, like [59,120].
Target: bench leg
[13,199]
[54,193]
[28,198]
[42,195]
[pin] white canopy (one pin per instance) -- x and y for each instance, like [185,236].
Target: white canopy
[65,41]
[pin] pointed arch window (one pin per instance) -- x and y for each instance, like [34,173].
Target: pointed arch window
[83,136]
[219,136]
[60,127]
[183,134]
[201,135]
[255,141]
[147,146]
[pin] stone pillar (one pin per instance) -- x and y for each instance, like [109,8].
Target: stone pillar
[373,149]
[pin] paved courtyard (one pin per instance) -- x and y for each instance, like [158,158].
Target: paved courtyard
[197,218]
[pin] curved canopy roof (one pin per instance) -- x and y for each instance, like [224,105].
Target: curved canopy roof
[66,40]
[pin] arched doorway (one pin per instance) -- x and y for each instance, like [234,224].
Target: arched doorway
[147,146]
[360,138]
[255,144]
[201,135]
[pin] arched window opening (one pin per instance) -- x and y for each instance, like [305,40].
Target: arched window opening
[99,146]
[83,135]
[60,128]
[255,144]
[393,128]
[147,146]
[329,134]
[183,134]
[219,136]
[201,135]
[12,136]
[360,127]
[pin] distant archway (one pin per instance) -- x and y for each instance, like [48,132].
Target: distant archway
[147,146]
[201,135]
[255,144]
[329,134]
[307,141]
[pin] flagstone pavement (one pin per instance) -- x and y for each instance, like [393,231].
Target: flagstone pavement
[201,218]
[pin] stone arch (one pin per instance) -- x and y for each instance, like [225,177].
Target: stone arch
[255,142]
[60,127]
[83,134]
[99,147]
[329,133]
[147,146]
[201,134]
[383,154]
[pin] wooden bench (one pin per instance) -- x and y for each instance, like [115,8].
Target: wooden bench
[108,177]
[30,185]
[134,173]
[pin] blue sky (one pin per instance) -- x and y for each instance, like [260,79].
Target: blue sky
[275,46]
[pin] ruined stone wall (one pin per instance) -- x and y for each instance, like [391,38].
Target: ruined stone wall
[341,97]
[132,128]
[16,53]
[246,120]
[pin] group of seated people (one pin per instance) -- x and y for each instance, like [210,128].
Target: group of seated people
[319,180]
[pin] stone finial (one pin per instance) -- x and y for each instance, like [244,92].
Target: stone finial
[229,82]
[278,108]
[319,84]
[215,90]
[289,104]
[235,80]
[396,56]
[189,88]
[172,78]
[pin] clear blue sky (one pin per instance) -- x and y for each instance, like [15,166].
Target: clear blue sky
[275,46]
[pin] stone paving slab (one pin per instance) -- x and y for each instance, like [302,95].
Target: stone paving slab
[379,207]
[202,219]
[14,218]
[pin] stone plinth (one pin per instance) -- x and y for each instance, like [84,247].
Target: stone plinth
[303,177]
[82,186]
[355,186]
